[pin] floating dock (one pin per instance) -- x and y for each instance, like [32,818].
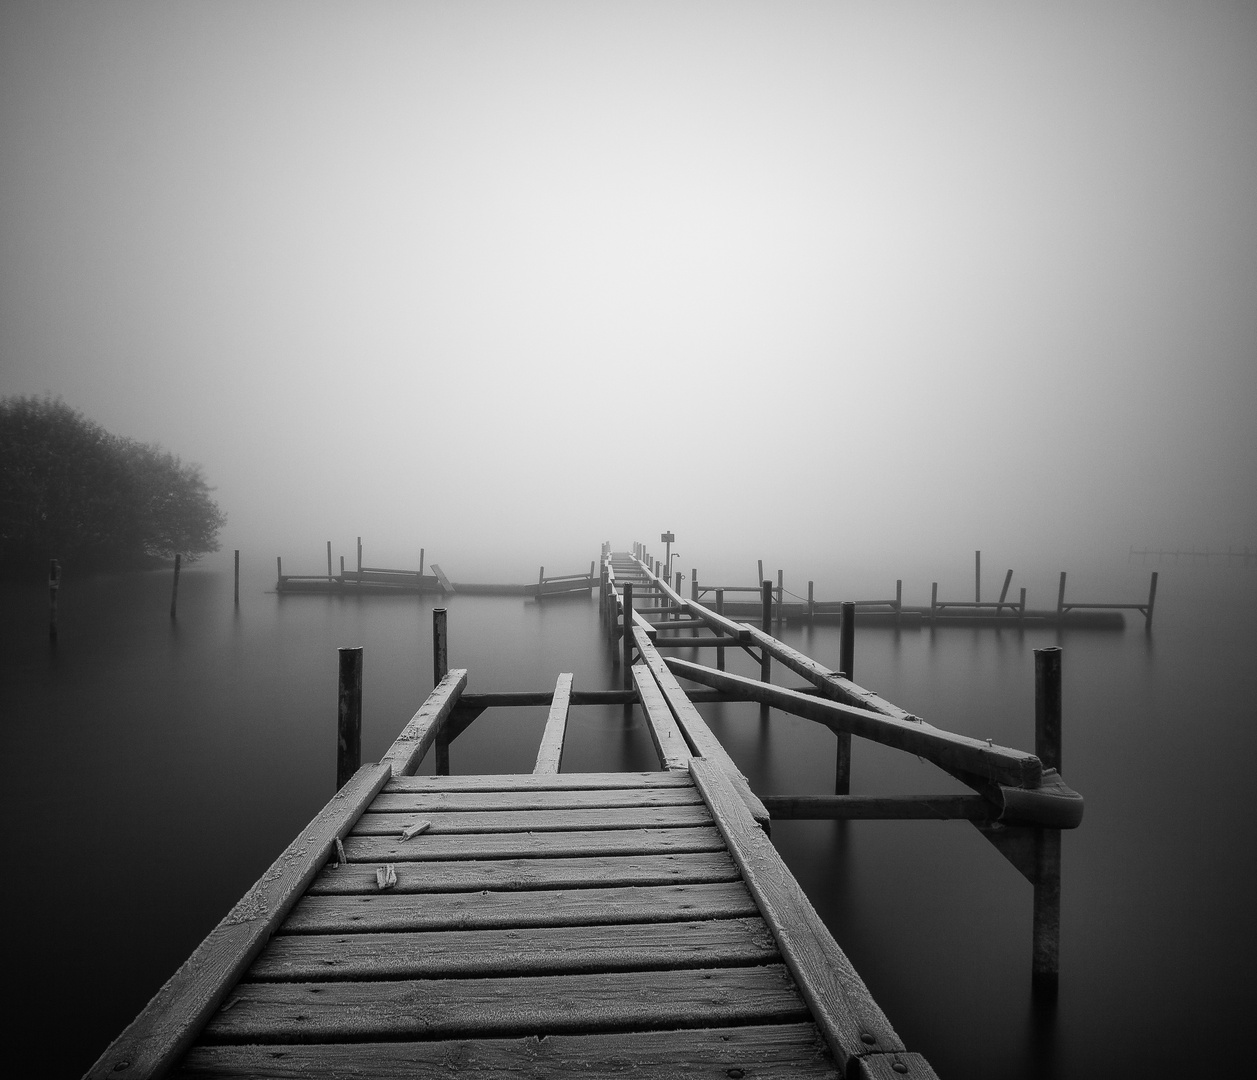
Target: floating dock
[558,924]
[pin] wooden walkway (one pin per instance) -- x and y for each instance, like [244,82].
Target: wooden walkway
[561,924]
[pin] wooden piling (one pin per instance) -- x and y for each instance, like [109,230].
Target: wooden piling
[421,562]
[349,716]
[628,635]
[899,596]
[933,601]
[1021,608]
[780,595]
[1045,964]
[1152,599]
[977,577]
[360,554]
[236,588]
[1004,592]
[766,624]
[54,586]
[846,661]
[720,610]
[1060,598]
[174,587]
[1047,706]
[811,605]
[440,668]
[279,572]
[329,560]
[694,584]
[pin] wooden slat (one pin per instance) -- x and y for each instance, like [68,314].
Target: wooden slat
[581,842]
[793,1051]
[669,743]
[171,1020]
[532,873]
[697,733]
[405,802]
[550,950]
[550,754]
[418,735]
[536,1005]
[385,911]
[545,782]
[497,821]
[958,754]
[447,586]
[841,1005]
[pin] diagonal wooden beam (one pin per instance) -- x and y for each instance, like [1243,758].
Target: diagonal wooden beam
[550,755]
[418,735]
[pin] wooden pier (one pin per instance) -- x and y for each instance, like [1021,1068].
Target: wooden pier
[585,924]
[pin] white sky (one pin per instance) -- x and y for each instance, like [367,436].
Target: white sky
[535,275]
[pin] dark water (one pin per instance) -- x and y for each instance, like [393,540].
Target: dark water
[152,771]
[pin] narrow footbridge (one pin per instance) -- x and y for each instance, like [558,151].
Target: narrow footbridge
[557,924]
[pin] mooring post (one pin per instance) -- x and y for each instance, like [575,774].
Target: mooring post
[54,586]
[236,588]
[1021,608]
[977,577]
[899,597]
[720,610]
[694,584]
[627,673]
[766,624]
[440,668]
[933,601]
[1152,599]
[360,554]
[541,578]
[174,587]
[349,715]
[1060,599]
[421,563]
[1004,592]
[811,605]
[602,591]
[1045,966]
[329,560]
[279,572]
[846,664]
[780,595]
[670,616]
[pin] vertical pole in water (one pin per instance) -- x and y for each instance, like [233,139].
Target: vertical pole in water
[760,563]
[1021,608]
[1060,599]
[811,605]
[933,601]
[977,577]
[780,594]
[421,562]
[174,588]
[628,635]
[54,585]
[279,573]
[694,584]
[349,716]
[342,566]
[329,560]
[360,554]
[602,592]
[541,577]
[720,649]
[899,596]
[1152,599]
[236,589]
[1045,969]
[1004,592]
[440,668]
[846,663]
[677,590]
[766,624]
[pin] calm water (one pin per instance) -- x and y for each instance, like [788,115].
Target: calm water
[152,771]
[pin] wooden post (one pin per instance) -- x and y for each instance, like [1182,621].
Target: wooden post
[1045,965]
[628,635]
[1152,599]
[677,590]
[846,663]
[349,716]
[236,589]
[720,610]
[440,668]
[421,562]
[329,560]
[694,584]
[766,624]
[811,605]
[977,577]
[342,566]
[279,572]
[1021,609]
[602,592]
[1060,599]
[1004,592]
[933,601]
[360,554]
[541,578]
[899,596]
[174,588]
[54,586]
[761,570]
[780,594]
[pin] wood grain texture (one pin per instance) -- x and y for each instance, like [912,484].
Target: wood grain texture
[550,753]
[518,951]
[499,874]
[533,782]
[530,1005]
[386,911]
[792,1051]
[841,1004]
[581,842]
[172,1019]
[500,821]
[405,802]
[417,736]
[670,744]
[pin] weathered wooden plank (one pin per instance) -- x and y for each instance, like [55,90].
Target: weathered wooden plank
[549,950]
[792,1051]
[608,781]
[447,586]
[532,873]
[550,754]
[718,622]
[956,753]
[670,744]
[170,1022]
[418,735]
[534,845]
[697,733]
[841,1005]
[405,802]
[384,911]
[534,1005]
[695,641]
[500,821]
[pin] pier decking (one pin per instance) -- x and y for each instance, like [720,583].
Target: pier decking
[591,924]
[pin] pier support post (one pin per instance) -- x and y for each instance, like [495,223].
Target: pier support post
[440,668]
[627,672]
[1060,600]
[1152,599]
[811,605]
[329,560]
[1021,608]
[349,716]
[174,588]
[720,610]
[846,662]
[54,586]
[360,554]
[236,581]
[933,601]
[1045,965]
[977,577]
[694,584]
[766,624]
[780,595]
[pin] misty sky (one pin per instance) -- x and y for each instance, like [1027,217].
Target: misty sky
[540,274]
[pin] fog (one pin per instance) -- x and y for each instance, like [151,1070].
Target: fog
[522,277]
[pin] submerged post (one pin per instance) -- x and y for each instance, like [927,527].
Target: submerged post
[349,715]
[628,635]
[174,588]
[236,589]
[54,586]
[766,624]
[1152,599]
[1045,963]
[720,610]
